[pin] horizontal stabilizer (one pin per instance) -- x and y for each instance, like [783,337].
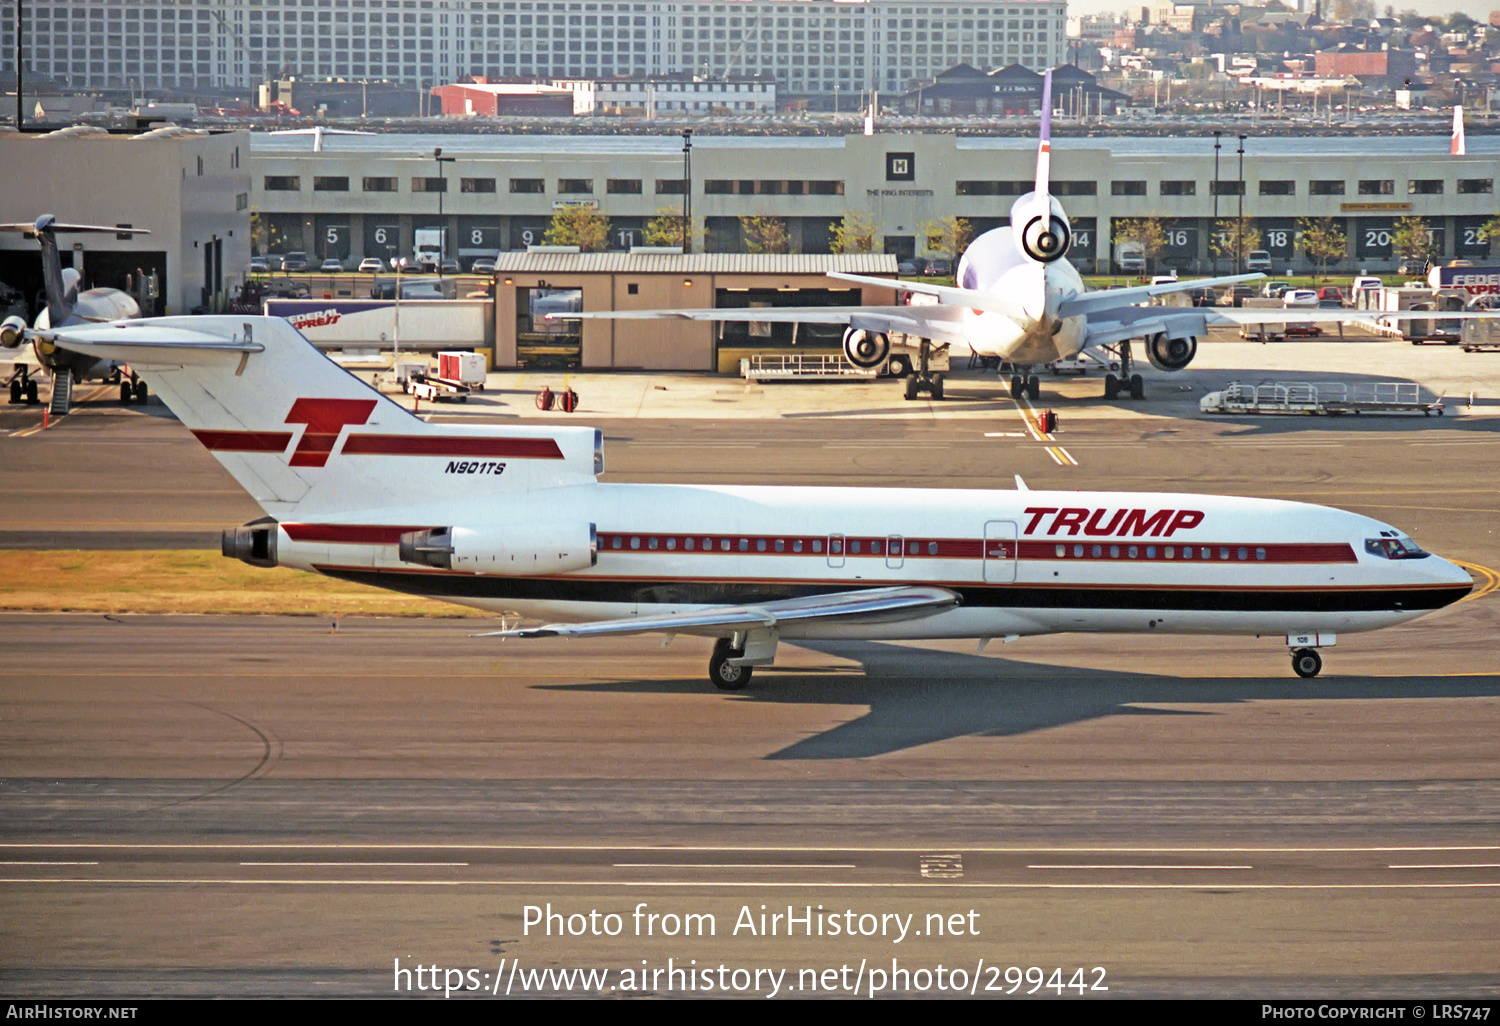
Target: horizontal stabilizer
[149,343]
[971,298]
[1108,299]
[869,605]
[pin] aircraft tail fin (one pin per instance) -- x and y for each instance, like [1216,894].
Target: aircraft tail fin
[1044,145]
[304,436]
[61,289]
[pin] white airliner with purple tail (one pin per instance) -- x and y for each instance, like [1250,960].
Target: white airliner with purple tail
[1019,300]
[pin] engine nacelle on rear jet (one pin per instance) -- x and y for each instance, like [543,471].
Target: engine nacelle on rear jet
[1171,354]
[12,332]
[866,348]
[515,550]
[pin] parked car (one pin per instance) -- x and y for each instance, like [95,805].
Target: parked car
[371,265]
[282,288]
[910,267]
[1236,295]
[940,267]
[1258,260]
[1204,297]
[1299,297]
[1330,296]
[450,266]
[1274,289]
[260,265]
[484,265]
[333,265]
[294,261]
[1412,266]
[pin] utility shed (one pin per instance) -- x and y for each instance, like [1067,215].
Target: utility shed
[560,280]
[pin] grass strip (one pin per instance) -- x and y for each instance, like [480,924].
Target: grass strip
[188,581]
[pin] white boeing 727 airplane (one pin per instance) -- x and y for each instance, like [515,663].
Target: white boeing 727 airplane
[1019,300]
[515,520]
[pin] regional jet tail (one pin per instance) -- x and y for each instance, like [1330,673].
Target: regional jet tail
[66,306]
[515,520]
[1018,299]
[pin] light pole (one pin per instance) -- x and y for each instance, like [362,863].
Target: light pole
[1239,227]
[1214,249]
[687,190]
[437,155]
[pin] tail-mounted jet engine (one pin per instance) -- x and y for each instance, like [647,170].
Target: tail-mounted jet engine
[1046,239]
[12,332]
[1171,354]
[255,543]
[523,549]
[866,348]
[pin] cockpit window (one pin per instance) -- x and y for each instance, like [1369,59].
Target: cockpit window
[1392,547]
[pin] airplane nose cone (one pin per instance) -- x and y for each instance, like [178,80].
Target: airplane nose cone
[1457,582]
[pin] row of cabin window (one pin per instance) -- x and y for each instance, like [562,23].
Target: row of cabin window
[1168,552]
[836,546]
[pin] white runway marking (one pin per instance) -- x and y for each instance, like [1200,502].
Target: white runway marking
[381,865]
[674,849]
[779,884]
[734,865]
[48,863]
[1452,865]
[1142,865]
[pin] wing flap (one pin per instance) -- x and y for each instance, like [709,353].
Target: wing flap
[971,298]
[868,605]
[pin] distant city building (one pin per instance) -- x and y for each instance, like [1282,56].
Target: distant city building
[808,48]
[483,99]
[1377,67]
[341,98]
[964,90]
[682,94]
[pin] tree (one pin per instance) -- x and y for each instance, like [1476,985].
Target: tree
[1412,238]
[1234,238]
[947,235]
[1323,241]
[579,226]
[765,234]
[1145,232]
[260,232]
[855,233]
[665,229]
[1490,230]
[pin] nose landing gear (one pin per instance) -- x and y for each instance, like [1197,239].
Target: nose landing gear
[1306,662]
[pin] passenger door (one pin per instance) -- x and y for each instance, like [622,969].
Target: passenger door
[1000,551]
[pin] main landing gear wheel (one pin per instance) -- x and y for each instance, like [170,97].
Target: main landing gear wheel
[1033,387]
[1111,387]
[1017,386]
[912,388]
[31,393]
[726,676]
[141,394]
[1137,387]
[15,391]
[1306,662]
[126,392]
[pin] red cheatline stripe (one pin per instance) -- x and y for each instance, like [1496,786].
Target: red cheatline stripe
[244,441]
[349,534]
[451,445]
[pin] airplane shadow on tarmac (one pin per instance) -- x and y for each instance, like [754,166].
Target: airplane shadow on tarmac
[952,694]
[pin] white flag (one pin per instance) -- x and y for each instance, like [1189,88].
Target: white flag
[1458,132]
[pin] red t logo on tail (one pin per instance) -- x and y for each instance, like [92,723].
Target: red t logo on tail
[324,418]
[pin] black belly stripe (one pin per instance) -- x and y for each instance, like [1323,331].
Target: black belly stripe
[994,596]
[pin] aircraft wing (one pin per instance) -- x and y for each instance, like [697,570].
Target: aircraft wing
[1111,326]
[867,605]
[939,323]
[1102,301]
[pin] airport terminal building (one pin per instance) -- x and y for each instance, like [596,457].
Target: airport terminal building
[365,196]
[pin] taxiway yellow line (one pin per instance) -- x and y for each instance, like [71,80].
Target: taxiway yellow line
[1490,580]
